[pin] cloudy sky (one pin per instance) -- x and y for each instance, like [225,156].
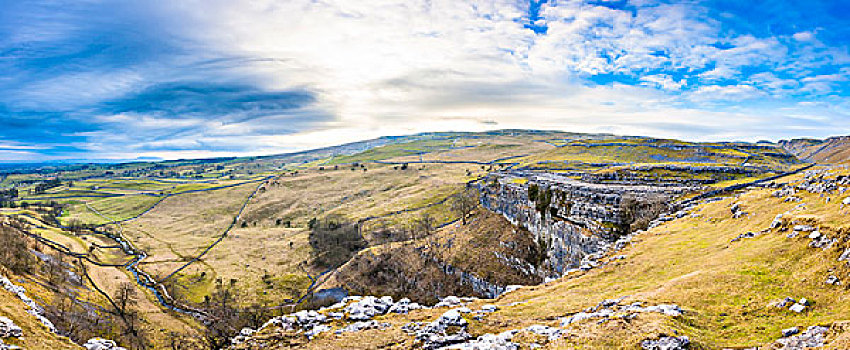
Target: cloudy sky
[88,79]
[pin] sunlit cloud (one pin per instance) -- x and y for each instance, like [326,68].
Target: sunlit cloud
[196,79]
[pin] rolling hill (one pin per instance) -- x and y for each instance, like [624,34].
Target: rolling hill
[209,247]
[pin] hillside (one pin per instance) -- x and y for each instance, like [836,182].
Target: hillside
[34,334]
[212,246]
[831,150]
[717,279]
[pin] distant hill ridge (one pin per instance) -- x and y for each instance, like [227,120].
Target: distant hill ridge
[831,150]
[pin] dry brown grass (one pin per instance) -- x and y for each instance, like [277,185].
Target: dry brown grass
[182,226]
[36,335]
[725,287]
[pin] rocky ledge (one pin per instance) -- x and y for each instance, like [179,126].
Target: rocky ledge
[571,219]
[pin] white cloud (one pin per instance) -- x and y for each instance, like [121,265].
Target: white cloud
[390,67]
[804,36]
[726,93]
[395,67]
[663,81]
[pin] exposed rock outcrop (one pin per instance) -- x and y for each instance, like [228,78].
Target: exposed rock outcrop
[8,328]
[32,307]
[812,337]
[570,218]
[101,344]
[666,343]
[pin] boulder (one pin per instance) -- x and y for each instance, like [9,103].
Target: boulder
[786,302]
[101,344]
[666,343]
[667,309]
[845,256]
[362,325]
[798,308]
[448,329]
[449,301]
[404,306]
[777,221]
[368,307]
[452,318]
[309,317]
[549,332]
[804,228]
[489,341]
[489,308]
[787,332]
[313,332]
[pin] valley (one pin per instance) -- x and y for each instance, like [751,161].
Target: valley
[541,224]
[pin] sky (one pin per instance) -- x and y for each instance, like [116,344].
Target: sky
[88,79]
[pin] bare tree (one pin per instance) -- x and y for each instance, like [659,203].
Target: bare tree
[54,268]
[14,254]
[422,226]
[464,202]
[126,298]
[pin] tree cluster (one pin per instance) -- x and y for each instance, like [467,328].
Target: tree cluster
[334,240]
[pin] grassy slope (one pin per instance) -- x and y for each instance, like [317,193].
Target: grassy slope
[183,224]
[158,322]
[36,335]
[726,288]
[388,269]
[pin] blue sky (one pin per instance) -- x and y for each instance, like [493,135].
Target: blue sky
[176,79]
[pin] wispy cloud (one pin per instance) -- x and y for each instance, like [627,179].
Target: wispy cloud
[190,78]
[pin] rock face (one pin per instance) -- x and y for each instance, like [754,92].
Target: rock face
[571,218]
[8,328]
[32,307]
